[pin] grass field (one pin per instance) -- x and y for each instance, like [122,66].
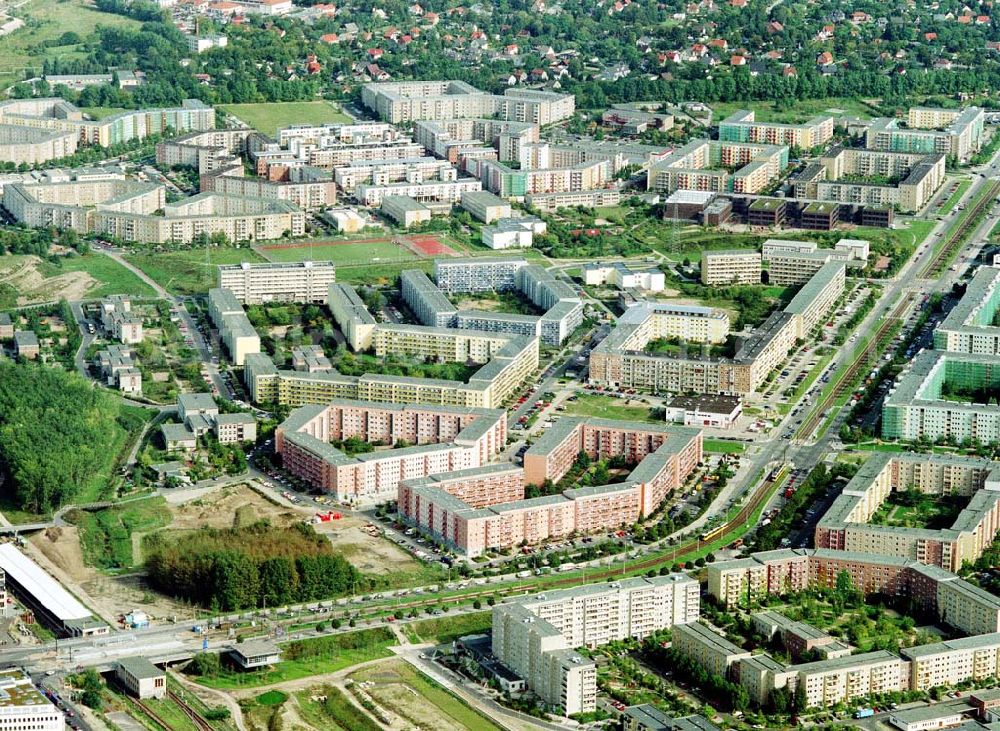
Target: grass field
[336,713]
[801,111]
[608,407]
[954,197]
[48,20]
[423,703]
[185,272]
[446,629]
[310,657]
[269,117]
[723,446]
[113,277]
[106,536]
[342,254]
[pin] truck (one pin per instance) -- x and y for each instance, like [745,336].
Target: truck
[864,713]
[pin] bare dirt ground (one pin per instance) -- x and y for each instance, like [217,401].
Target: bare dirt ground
[370,554]
[488,305]
[218,510]
[58,549]
[388,686]
[21,273]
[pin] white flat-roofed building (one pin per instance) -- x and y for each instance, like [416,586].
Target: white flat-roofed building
[23,707]
[513,233]
[347,220]
[141,678]
[534,636]
[707,648]
[442,191]
[485,206]
[45,596]
[305,281]
[730,266]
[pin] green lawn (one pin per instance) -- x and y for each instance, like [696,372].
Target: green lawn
[723,446]
[106,535]
[310,657]
[608,407]
[801,111]
[48,20]
[446,629]
[955,197]
[111,276]
[269,117]
[185,272]
[341,254]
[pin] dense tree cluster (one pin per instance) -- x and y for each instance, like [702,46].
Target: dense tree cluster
[251,566]
[55,429]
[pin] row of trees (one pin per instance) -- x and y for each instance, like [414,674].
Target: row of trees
[55,431]
[252,566]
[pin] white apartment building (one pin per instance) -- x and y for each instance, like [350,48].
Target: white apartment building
[534,636]
[444,191]
[730,266]
[305,282]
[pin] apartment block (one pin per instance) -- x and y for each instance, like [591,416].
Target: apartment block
[845,525]
[352,316]
[456,139]
[828,682]
[117,367]
[425,300]
[969,326]
[533,636]
[385,172]
[34,146]
[234,328]
[206,151]
[620,359]
[306,187]
[707,648]
[445,439]
[59,115]
[905,180]
[957,134]
[730,266]
[796,262]
[478,274]
[915,408]
[741,126]
[550,202]
[953,661]
[508,362]
[306,282]
[704,165]
[118,320]
[411,101]
[465,510]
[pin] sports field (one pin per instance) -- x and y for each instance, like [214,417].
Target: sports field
[348,253]
[269,117]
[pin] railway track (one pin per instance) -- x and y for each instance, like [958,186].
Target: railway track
[957,237]
[860,363]
[196,718]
